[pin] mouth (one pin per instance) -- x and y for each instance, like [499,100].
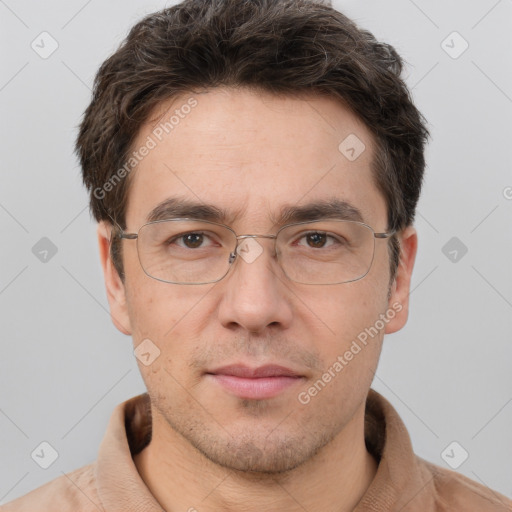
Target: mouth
[255,383]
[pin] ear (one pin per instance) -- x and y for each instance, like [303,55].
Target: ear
[400,288]
[116,293]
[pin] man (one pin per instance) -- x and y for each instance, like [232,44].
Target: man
[254,167]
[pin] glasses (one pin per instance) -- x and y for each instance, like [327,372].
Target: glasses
[188,251]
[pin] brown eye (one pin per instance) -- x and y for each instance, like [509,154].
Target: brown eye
[316,240]
[193,240]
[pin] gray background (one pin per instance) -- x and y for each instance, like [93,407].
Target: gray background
[64,367]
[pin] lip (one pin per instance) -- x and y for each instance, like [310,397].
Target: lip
[259,383]
[246,372]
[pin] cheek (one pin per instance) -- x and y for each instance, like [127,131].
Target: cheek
[349,339]
[171,316]
[154,307]
[346,309]
[350,334]
[349,367]
[165,322]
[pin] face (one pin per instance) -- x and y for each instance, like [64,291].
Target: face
[256,371]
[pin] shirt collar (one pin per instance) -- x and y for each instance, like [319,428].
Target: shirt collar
[400,479]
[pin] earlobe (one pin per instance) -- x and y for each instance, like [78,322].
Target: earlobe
[116,293]
[401,286]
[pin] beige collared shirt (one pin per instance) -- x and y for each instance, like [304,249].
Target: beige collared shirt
[403,482]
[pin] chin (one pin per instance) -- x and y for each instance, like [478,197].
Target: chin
[257,455]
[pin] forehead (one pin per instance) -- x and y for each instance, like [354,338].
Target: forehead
[251,154]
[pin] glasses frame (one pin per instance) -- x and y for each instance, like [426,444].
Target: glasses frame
[121,234]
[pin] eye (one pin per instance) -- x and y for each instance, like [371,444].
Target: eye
[192,240]
[318,240]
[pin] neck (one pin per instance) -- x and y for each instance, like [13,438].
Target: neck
[181,478]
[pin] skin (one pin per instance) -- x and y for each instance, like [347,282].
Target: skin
[250,153]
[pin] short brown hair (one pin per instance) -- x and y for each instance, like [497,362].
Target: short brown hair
[279,46]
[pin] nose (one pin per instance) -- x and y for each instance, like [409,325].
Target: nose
[255,292]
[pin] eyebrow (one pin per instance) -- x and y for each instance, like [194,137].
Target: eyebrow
[175,207]
[332,208]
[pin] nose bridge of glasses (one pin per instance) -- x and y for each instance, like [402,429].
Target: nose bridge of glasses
[241,239]
[249,248]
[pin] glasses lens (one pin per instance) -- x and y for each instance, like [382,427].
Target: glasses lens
[198,252]
[326,252]
[185,252]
